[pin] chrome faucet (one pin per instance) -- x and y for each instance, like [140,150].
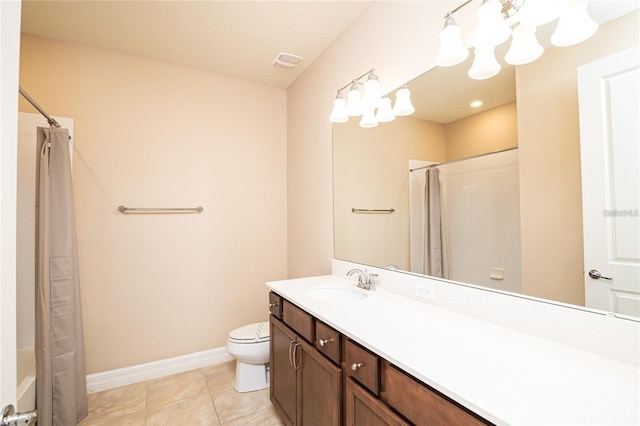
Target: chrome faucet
[365,280]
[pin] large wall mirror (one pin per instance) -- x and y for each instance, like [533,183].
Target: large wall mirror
[509,172]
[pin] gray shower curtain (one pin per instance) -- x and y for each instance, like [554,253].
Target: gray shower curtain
[434,263]
[60,371]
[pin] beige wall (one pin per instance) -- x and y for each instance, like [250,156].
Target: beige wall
[151,134]
[371,172]
[549,140]
[488,131]
[400,40]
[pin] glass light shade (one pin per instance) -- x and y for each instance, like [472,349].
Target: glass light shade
[574,26]
[524,46]
[539,12]
[368,118]
[339,111]
[385,112]
[484,64]
[371,96]
[492,29]
[354,101]
[452,49]
[403,105]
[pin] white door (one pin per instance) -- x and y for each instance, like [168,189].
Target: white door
[609,97]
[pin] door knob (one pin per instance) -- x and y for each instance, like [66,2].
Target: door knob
[596,275]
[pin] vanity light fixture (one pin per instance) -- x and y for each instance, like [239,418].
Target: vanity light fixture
[495,18]
[373,107]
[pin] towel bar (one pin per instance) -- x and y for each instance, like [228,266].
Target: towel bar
[127,210]
[373,211]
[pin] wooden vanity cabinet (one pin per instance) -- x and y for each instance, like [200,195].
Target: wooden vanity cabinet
[312,364]
[305,386]
[284,377]
[362,365]
[419,403]
[363,409]
[328,341]
[275,305]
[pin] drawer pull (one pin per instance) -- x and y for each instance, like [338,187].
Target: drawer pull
[272,305]
[324,342]
[356,365]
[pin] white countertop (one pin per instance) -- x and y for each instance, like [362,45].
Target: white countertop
[505,376]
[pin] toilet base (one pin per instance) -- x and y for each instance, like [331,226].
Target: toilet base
[251,377]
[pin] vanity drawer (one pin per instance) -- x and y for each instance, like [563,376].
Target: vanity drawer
[362,365]
[275,305]
[299,320]
[420,404]
[328,341]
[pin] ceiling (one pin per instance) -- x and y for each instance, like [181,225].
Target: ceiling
[230,37]
[233,38]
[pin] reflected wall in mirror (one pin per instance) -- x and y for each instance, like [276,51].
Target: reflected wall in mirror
[371,168]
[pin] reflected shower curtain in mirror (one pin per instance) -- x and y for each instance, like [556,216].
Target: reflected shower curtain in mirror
[434,262]
[60,369]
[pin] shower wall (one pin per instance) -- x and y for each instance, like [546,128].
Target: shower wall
[482,210]
[26,223]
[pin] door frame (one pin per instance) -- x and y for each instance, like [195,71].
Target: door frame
[9,77]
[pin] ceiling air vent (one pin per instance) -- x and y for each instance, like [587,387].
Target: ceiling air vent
[286,60]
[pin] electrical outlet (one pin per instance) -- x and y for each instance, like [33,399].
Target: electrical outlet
[425,291]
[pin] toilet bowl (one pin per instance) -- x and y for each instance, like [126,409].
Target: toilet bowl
[249,345]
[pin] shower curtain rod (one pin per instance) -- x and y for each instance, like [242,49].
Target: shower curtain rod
[463,159]
[50,120]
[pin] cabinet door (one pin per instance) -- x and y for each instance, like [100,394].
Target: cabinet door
[422,405]
[283,383]
[363,409]
[319,387]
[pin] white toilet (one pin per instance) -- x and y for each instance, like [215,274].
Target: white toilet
[249,345]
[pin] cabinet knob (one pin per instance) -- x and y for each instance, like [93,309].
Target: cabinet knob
[355,366]
[324,342]
[271,305]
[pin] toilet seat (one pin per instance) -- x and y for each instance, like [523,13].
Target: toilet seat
[250,334]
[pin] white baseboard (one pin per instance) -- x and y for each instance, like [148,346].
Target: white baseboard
[139,373]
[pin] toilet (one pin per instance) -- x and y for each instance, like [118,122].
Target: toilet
[249,345]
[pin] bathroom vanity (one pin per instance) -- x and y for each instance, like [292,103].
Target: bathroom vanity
[311,364]
[343,355]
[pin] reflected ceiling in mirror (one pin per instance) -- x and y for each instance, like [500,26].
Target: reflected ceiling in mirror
[443,95]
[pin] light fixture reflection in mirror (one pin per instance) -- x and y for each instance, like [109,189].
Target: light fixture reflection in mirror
[373,107]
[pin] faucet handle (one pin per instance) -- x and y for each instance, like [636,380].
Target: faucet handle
[371,281]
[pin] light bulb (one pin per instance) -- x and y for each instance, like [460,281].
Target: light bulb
[452,49]
[403,105]
[339,112]
[484,64]
[539,12]
[574,26]
[368,118]
[354,102]
[385,112]
[371,95]
[524,46]
[492,29]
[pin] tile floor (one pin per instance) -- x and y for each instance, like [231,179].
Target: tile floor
[199,397]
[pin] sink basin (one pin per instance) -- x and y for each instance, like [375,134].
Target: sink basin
[332,294]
